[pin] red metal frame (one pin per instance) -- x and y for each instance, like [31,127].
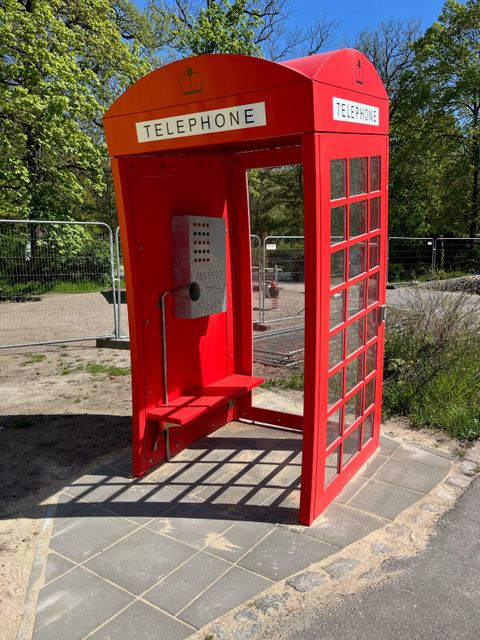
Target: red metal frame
[206,174]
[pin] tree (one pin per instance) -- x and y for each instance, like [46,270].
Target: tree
[427,168]
[252,27]
[62,63]
[448,63]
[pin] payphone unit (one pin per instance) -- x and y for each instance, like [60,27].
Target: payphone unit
[198,246]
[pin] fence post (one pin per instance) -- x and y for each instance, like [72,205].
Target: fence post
[119,285]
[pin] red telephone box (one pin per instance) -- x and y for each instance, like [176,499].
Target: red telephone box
[182,139]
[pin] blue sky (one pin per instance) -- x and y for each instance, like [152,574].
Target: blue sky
[356,15]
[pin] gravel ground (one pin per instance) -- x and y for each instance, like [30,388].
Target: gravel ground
[469,284]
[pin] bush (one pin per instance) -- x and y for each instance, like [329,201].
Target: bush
[432,356]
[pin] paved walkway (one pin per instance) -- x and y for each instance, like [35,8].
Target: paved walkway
[164,555]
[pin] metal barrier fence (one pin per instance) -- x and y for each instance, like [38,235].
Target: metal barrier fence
[410,258]
[457,256]
[283,291]
[428,258]
[63,281]
[57,282]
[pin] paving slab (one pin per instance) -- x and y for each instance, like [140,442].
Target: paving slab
[75,605]
[82,537]
[283,553]
[141,502]
[355,484]
[414,454]
[139,561]
[388,446]
[411,475]
[384,500]
[236,586]
[195,524]
[342,525]
[372,466]
[183,585]
[239,539]
[142,622]
[68,507]
[56,566]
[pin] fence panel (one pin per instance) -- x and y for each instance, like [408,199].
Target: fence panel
[57,282]
[410,258]
[457,256]
[283,265]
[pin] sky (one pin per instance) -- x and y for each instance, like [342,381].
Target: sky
[356,15]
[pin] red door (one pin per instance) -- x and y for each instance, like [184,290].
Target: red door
[351,183]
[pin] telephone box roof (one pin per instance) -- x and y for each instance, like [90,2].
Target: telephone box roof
[294,92]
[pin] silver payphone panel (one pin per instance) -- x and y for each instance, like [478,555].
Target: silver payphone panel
[198,245]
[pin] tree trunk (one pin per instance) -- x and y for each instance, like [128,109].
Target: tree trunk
[475,198]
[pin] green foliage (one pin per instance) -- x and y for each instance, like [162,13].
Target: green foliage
[224,26]
[447,88]
[62,63]
[276,200]
[431,372]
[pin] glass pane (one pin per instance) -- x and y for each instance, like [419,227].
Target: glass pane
[355,336]
[336,349]
[335,388]
[356,298]
[354,373]
[337,179]
[374,214]
[357,259]
[372,324]
[370,393]
[374,252]
[337,225]
[337,268]
[351,445]
[371,359]
[331,466]
[373,289]
[358,218]
[375,173]
[358,176]
[337,305]
[368,428]
[334,426]
[353,408]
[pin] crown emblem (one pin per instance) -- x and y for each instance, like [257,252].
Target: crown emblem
[191,82]
[359,72]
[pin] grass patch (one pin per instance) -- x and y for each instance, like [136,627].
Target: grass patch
[33,358]
[96,368]
[432,356]
[26,290]
[294,381]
